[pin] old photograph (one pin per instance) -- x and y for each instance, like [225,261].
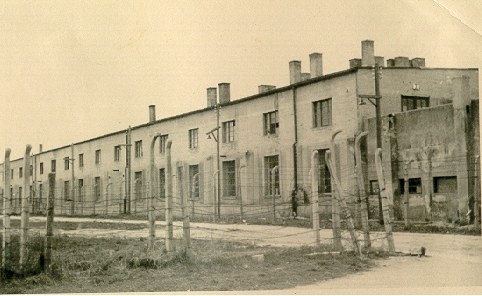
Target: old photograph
[251,147]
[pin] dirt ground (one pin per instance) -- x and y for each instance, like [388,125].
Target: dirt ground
[453,264]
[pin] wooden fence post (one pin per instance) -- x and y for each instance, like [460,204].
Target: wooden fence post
[335,208]
[6,211]
[49,223]
[273,189]
[342,201]
[169,230]
[315,207]
[362,191]
[477,220]
[406,202]
[384,195]
[25,209]
[186,225]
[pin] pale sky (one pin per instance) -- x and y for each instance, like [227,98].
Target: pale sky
[74,70]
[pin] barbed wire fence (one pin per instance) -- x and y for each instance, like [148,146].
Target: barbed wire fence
[189,204]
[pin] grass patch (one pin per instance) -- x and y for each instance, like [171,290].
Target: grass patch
[86,265]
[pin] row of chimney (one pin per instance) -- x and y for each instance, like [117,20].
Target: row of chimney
[369,59]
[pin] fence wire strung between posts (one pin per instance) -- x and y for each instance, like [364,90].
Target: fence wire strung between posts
[345,212]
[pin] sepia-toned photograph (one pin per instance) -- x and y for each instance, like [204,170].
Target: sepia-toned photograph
[240,147]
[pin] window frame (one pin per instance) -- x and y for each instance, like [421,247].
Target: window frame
[196,193]
[117,153]
[229,178]
[41,168]
[318,108]
[138,149]
[324,175]
[162,143]
[66,163]
[267,175]
[414,186]
[414,100]
[270,127]
[53,165]
[98,156]
[228,131]
[20,172]
[193,138]
[81,160]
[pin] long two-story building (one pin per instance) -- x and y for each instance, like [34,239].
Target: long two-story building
[277,127]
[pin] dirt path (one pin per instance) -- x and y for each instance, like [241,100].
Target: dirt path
[454,262]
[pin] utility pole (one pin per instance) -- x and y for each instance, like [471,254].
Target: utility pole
[379,128]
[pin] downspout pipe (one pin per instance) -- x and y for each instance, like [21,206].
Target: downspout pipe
[295,153]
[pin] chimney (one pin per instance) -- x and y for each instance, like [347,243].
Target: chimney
[305,76]
[40,148]
[224,93]
[152,113]
[212,94]
[417,62]
[355,63]
[380,61]
[316,64]
[295,72]
[368,53]
[402,62]
[264,88]
[390,63]
[461,91]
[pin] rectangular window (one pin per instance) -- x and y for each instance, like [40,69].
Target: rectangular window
[97,188]
[81,160]
[20,192]
[117,152]
[271,124]
[11,174]
[66,163]
[374,187]
[322,113]
[228,131]
[138,148]
[194,181]
[31,170]
[414,186]
[138,185]
[412,102]
[20,172]
[324,176]
[66,191]
[229,178]
[53,165]
[81,189]
[41,168]
[269,163]
[162,143]
[445,184]
[97,156]
[162,183]
[193,138]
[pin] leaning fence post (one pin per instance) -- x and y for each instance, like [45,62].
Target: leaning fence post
[315,208]
[240,196]
[6,211]
[406,203]
[342,201]
[25,208]
[335,208]
[384,195]
[49,223]
[362,191]
[186,227]
[169,230]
